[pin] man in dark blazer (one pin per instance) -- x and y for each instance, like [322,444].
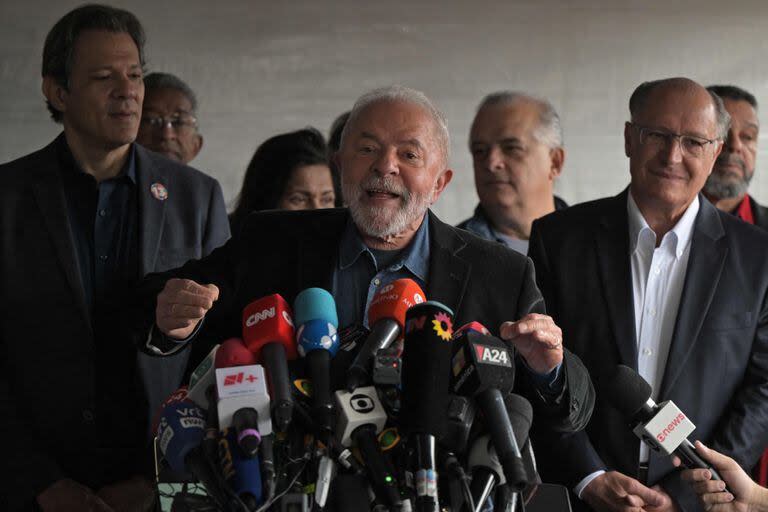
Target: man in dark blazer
[393,161]
[658,279]
[83,219]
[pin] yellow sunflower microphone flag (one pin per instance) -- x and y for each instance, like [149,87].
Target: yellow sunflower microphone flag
[425,394]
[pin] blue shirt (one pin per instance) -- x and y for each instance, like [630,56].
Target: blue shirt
[103,219]
[358,276]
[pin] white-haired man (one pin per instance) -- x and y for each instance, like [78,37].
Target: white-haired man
[393,159]
[516,143]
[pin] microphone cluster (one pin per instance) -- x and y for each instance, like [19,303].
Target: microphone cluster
[411,414]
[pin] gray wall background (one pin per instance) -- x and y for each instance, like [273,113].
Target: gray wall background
[264,67]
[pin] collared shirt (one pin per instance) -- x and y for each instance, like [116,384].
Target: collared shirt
[358,276]
[744,210]
[658,274]
[103,219]
[481,226]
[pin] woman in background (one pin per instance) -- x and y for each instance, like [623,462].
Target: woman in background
[289,171]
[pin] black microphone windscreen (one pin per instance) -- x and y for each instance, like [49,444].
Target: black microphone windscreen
[426,366]
[520,414]
[626,390]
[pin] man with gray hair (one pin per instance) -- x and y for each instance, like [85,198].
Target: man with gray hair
[658,279]
[516,143]
[727,186]
[394,166]
[169,118]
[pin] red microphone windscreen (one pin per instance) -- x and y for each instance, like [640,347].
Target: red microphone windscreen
[471,326]
[393,300]
[177,396]
[231,353]
[269,320]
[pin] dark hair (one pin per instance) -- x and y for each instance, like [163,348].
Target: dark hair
[156,81]
[271,167]
[732,92]
[640,96]
[59,48]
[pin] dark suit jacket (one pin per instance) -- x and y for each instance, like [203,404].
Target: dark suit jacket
[64,415]
[717,370]
[760,213]
[287,252]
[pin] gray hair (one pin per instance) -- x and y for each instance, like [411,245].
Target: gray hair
[155,81]
[640,95]
[550,130]
[399,93]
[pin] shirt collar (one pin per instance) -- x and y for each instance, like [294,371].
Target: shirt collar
[69,162]
[680,234]
[414,257]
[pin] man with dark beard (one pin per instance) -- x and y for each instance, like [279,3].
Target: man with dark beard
[727,186]
[393,161]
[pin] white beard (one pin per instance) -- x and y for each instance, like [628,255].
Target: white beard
[383,222]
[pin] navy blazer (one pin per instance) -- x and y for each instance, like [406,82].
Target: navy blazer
[717,369]
[63,415]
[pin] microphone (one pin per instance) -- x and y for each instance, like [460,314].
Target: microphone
[426,363]
[483,461]
[360,417]
[202,378]
[233,352]
[318,342]
[483,368]
[268,333]
[386,316]
[663,427]
[471,327]
[240,470]
[243,387]
[180,431]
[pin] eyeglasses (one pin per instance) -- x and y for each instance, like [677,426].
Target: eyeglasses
[177,123]
[690,145]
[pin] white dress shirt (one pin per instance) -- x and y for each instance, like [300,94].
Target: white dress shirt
[658,274]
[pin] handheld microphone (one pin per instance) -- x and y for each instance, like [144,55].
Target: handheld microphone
[233,352]
[483,368]
[471,327]
[361,417]
[243,387]
[386,316]
[241,471]
[424,402]
[318,342]
[180,431]
[483,461]
[202,378]
[268,333]
[663,427]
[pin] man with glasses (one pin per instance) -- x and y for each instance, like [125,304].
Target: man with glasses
[168,118]
[658,279]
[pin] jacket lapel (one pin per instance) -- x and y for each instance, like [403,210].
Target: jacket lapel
[151,182]
[49,194]
[705,266]
[612,244]
[448,274]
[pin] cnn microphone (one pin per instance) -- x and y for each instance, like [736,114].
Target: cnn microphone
[386,316]
[425,381]
[483,368]
[360,417]
[268,333]
[663,427]
[317,341]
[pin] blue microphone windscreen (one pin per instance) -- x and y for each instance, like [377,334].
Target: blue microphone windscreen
[315,304]
[181,428]
[243,474]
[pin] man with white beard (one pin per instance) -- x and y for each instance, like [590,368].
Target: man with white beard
[394,165]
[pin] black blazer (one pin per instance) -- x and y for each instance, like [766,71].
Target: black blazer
[287,252]
[717,369]
[760,213]
[62,414]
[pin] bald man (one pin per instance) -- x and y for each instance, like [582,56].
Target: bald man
[660,280]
